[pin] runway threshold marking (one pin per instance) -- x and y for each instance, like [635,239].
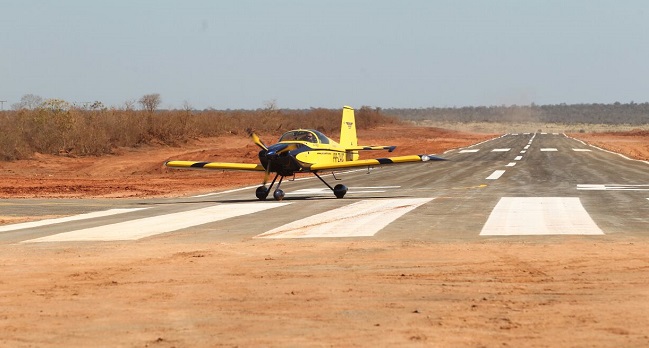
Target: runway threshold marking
[364,218]
[514,216]
[47,222]
[469,151]
[150,226]
[510,164]
[518,158]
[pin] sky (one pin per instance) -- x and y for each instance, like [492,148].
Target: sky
[300,54]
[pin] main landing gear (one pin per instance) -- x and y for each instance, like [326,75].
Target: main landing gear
[262,192]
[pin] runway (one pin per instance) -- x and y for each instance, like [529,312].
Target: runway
[523,186]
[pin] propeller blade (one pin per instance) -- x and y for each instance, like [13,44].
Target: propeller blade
[267,174]
[256,139]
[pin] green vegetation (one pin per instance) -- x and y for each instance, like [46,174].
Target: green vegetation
[56,127]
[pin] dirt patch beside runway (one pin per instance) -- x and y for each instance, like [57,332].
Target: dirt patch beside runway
[634,144]
[319,293]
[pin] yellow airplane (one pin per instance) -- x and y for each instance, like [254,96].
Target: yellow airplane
[307,151]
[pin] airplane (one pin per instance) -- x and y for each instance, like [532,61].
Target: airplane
[307,151]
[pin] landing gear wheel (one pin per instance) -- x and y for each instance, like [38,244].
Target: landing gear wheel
[278,195]
[261,193]
[340,190]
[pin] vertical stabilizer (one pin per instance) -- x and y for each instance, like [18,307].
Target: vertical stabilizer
[348,128]
[348,132]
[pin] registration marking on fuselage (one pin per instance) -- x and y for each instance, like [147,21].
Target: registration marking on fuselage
[361,219]
[150,226]
[86,216]
[514,216]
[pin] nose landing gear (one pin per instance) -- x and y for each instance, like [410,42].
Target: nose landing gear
[262,192]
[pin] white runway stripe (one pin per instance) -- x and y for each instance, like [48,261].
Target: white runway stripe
[549,149]
[140,228]
[469,151]
[500,150]
[612,187]
[496,175]
[47,222]
[539,216]
[364,218]
[352,190]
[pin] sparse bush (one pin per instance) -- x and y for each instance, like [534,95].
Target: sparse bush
[65,130]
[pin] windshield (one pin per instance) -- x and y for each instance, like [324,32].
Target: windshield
[311,136]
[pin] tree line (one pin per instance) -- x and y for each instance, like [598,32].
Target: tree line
[616,113]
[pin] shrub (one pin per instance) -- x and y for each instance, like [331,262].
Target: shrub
[60,129]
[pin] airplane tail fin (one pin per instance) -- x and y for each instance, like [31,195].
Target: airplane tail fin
[348,132]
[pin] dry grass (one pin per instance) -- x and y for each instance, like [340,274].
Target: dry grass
[78,132]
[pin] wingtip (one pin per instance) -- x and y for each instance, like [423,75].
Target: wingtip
[426,158]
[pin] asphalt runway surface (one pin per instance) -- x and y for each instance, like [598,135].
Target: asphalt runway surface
[520,186]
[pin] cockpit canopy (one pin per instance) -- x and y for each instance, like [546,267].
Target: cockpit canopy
[308,135]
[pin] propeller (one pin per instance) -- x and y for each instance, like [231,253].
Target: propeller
[267,174]
[256,140]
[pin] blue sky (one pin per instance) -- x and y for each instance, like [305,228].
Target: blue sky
[242,54]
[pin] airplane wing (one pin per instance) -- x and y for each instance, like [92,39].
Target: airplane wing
[215,165]
[358,148]
[375,162]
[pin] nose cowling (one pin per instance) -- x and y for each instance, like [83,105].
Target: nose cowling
[279,159]
[272,154]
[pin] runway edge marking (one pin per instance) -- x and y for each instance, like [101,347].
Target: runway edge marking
[154,225]
[360,219]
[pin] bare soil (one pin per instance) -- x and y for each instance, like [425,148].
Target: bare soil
[634,143]
[556,291]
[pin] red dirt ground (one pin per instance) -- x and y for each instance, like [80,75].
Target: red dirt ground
[634,144]
[549,292]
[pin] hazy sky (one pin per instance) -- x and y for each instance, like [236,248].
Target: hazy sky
[241,54]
